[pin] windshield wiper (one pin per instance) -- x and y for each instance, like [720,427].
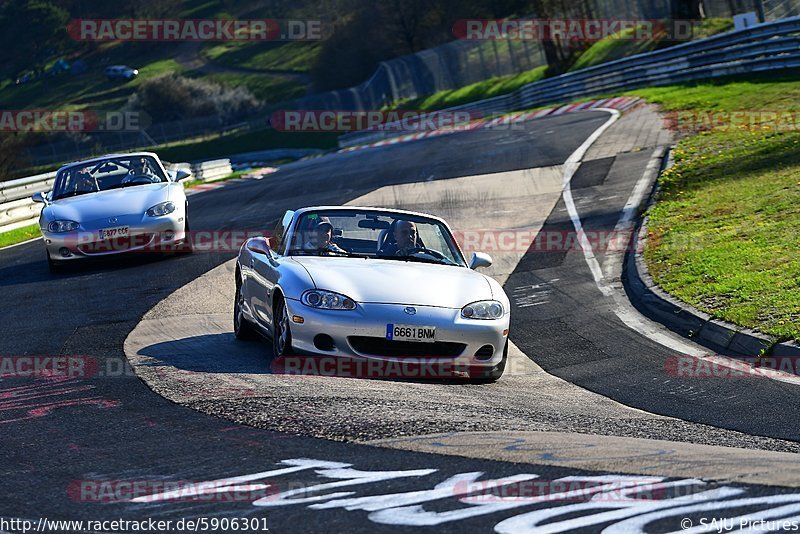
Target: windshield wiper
[418,259]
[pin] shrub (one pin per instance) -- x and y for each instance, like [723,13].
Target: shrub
[171,97]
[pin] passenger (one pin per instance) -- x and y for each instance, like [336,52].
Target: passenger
[85,182]
[320,237]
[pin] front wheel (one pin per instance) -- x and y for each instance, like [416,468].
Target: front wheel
[242,328]
[186,247]
[53,266]
[281,333]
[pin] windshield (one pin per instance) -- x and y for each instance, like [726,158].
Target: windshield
[105,174]
[369,234]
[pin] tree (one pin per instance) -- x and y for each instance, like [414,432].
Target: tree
[30,32]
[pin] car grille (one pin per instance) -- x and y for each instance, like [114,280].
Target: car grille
[378,346]
[119,244]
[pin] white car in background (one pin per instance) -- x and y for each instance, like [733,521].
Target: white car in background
[113,204]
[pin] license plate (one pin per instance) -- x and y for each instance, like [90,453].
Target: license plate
[111,233]
[410,332]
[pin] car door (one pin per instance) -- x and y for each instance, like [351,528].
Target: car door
[265,271]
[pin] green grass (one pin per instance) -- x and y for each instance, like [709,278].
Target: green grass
[246,142]
[90,90]
[724,233]
[268,89]
[622,44]
[614,47]
[477,91]
[296,56]
[781,93]
[191,183]
[19,235]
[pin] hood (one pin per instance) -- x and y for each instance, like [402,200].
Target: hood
[123,201]
[397,282]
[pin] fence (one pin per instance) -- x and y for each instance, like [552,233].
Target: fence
[448,66]
[770,46]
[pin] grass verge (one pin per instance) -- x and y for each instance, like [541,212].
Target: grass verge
[724,233]
[246,142]
[19,235]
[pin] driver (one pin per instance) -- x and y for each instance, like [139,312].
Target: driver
[139,168]
[405,239]
[320,237]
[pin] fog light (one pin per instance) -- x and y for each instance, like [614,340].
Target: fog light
[297,319]
[64,251]
[323,342]
[169,235]
[485,353]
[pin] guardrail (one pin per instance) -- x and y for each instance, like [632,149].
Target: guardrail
[765,47]
[16,207]
[209,171]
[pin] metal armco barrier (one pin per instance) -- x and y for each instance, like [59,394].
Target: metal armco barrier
[765,47]
[212,170]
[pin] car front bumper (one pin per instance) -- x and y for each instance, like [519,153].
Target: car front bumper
[361,333]
[155,234]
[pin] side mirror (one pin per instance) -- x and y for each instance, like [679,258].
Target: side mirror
[182,174]
[259,245]
[480,259]
[39,197]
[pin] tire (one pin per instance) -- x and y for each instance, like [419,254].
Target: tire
[281,332]
[242,328]
[492,374]
[55,267]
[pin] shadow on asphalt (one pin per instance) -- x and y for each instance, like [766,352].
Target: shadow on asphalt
[223,353]
[37,271]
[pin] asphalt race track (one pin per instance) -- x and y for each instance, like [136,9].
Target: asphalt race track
[64,436]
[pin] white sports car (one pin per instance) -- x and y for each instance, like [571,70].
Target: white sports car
[113,204]
[371,284]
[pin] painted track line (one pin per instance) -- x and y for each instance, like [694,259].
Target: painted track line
[607,278]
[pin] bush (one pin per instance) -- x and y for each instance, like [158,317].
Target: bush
[172,97]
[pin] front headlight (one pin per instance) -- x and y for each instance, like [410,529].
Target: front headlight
[483,309]
[327,300]
[59,227]
[159,210]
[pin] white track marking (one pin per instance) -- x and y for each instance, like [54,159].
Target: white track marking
[609,283]
[20,244]
[570,167]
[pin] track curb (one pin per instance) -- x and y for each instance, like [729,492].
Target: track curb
[682,318]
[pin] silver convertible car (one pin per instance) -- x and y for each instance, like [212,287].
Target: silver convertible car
[113,204]
[385,286]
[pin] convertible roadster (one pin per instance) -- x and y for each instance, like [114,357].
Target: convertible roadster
[113,204]
[374,284]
